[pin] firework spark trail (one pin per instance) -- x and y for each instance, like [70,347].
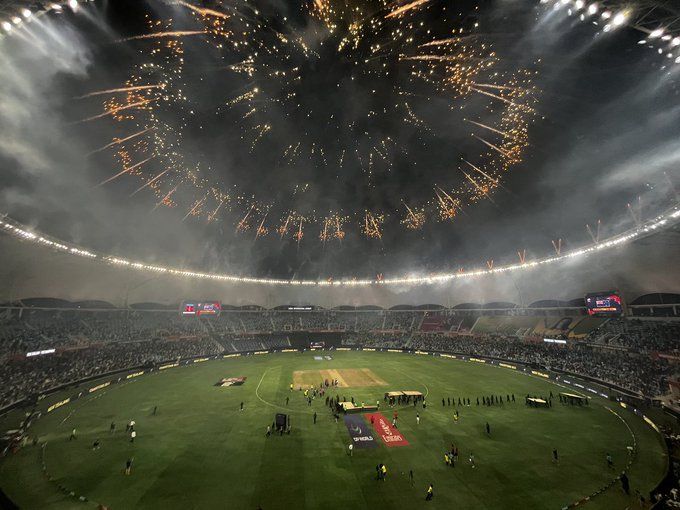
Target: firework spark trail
[198,204]
[284,228]
[149,183]
[405,8]
[504,133]
[122,89]
[479,188]
[445,58]
[450,40]
[126,170]
[162,35]
[260,229]
[118,141]
[495,181]
[203,11]
[499,87]
[242,224]
[168,195]
[504,99]
[495,147]
[115,110]
[212,216]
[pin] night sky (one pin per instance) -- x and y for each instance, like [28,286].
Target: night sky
[263,121]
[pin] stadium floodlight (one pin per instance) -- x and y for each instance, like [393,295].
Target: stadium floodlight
[606,15]
[607,27]
[26,13]
[579,4]
[677,60]
[592,9]
[73,4]
[16,20]
[7,26]
[656,33]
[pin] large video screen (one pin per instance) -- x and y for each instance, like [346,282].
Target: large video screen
[200,308]
[604,304]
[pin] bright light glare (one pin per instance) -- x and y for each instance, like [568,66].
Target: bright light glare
[656,33]
[592,9]
[16,20]
[7,26]
[619,19]
[675,41]
[579,4]
[26,13]
[73,3]
[606,15]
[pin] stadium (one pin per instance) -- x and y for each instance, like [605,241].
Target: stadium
[325,254]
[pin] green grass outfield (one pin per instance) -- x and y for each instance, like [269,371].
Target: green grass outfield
[200,451]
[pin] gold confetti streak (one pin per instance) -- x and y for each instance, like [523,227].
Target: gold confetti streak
[149,183]
[126,170]
[118,141]
[161,35]
[116,110]
[122,89]
[203,11]
[405,8]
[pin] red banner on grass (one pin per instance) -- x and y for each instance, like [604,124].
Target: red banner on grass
[390,435]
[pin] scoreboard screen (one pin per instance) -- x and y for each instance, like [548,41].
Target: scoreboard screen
[200,308]
[604,304]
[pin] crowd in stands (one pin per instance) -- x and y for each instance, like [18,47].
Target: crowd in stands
[639,335]
[30,377]
[91,342]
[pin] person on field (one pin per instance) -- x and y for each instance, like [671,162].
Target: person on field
[417,419]
[610,461]
[95,445]
[314,417]
[625,483]
[133,435]
[128,466]
[155,410]
[472,460]
[241,406]
[383,470]
[351,449]
[112,428]
[73,435]
[488,429]
[430,493]
[410,477]
[286,400]
[556,457]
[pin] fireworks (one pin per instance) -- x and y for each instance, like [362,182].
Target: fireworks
[277,82]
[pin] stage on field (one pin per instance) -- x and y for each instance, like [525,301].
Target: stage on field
[346,377]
